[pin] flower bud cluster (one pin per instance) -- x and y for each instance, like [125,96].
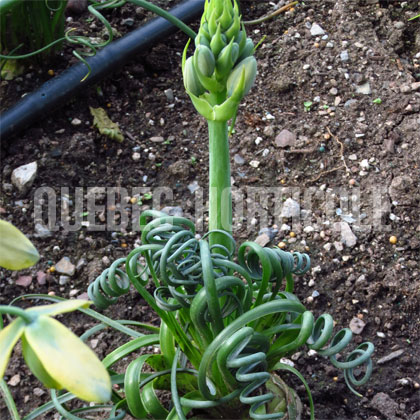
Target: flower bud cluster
[223,69]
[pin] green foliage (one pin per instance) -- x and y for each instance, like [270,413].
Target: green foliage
[34,29]
[16,250]
[230,321]
[57,357]
[227,316]
[307,105]
[31,26]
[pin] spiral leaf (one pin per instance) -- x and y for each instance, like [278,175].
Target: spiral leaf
[234,320]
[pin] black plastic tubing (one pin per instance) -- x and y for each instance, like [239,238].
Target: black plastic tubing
[55,92]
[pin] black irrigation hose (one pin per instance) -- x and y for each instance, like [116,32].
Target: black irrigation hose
[55,92]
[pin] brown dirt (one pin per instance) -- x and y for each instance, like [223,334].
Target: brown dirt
[374,280]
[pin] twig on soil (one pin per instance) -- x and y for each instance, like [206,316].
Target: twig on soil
[326,172]
[344,166]
[341,149]
[271,15]
[288,113]
[308,150]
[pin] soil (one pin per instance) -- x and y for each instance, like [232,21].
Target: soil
[350,99]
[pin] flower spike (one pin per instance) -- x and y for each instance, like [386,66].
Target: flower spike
[222,52]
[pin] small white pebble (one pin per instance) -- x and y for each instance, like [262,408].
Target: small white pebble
[364,164]
[136,156]
[287,362]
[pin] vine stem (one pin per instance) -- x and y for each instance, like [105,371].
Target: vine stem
[14,310]
[220,197]
[8,399]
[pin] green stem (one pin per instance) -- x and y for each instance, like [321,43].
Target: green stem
[163,13]
[14,310]
[220,197]
[8,399]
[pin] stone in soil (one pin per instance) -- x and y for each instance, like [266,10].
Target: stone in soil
[271,232]
[291,208]
[62,280]
[400,190]
[238,159]
[390,356]
[344,55]
[364,89]
[262,240]
[316,30]
[357,325]
[180,169]
[385,405]
[14,380]
[193,187]
[41,278]
[64,266]
[173,211]
[24,176]
[24,281]
[157,139]
[348,238]
[285,138]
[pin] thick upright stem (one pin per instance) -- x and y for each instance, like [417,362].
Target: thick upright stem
[220,198]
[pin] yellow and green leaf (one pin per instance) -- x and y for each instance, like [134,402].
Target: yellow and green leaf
[36,366]
[8,338]
[72,364]
[16,250]
[59,308]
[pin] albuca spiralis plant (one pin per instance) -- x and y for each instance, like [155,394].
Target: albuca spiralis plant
[227,318]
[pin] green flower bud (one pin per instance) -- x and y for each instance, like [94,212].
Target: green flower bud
[241,40]
[204,60]
[201,39]
[191,82]
[226,17]
[212,23]
[247,50]
[204,29]
[227,59]
[218,42]
[234,29]
[249,66]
